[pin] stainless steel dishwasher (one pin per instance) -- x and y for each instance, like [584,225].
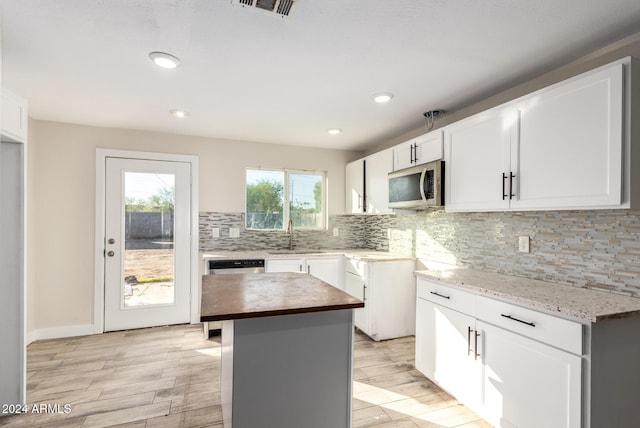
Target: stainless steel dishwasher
[221,267]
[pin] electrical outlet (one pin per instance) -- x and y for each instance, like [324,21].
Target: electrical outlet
[335,231]
[523,244]
[234,232]
[215,232]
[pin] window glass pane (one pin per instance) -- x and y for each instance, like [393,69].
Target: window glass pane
[265,199]
[149,255]
[305,200]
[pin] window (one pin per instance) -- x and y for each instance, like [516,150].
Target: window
[275,196]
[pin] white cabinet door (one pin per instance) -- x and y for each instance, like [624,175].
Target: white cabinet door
[477,154]
[570,150]
[354,190]
[284,265]
[403,155]
[428,147]
[328,269]
[356,286]
[422,149]
[445,351]
[377,168]
[526,383]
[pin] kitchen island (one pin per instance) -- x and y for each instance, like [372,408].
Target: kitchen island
[287,349]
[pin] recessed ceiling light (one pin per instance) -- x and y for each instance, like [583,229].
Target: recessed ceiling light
[334,131]
[382,97]
[180,114]
[164,60]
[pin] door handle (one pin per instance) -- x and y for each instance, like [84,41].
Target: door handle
[111,254]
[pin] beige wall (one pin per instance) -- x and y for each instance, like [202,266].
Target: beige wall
[62,202]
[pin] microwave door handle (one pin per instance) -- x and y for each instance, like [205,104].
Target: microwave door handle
[422,192]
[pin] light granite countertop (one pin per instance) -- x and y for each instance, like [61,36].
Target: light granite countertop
[360,254]
[580,304]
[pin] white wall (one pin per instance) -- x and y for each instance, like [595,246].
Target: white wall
[62,204]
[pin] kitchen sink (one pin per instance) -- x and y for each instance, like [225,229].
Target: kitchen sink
[294,252]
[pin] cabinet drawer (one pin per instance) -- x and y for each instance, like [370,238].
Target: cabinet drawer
[449,297]
[558,332]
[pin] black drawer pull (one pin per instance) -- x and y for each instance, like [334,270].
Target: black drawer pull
[516,319]
[439,295]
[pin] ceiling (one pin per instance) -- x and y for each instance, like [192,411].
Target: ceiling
[251,75]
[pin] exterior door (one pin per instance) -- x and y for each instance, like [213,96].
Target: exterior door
[147,243]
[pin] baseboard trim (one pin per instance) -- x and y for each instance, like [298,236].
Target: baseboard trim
[60,332]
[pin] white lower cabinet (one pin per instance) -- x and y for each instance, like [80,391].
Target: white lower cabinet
[328,269]
[389,295]
[498,370]
[444,352]
[527,384]
[284,265]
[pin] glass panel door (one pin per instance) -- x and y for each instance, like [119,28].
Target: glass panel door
[147,243]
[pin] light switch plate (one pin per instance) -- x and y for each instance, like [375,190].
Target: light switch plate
[523,244]
[234,232]
[335,231]
[215,232]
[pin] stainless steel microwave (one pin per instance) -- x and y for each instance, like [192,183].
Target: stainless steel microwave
[418,187]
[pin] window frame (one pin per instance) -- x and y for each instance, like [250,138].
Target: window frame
[286,210]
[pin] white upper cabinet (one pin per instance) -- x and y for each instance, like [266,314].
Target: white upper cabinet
[562,147]
[367,185]
[14,117]
[422,149]
[477,159]
[570,148]
[377,169]
[354,190]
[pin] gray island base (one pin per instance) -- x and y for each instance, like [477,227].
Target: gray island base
[288,370]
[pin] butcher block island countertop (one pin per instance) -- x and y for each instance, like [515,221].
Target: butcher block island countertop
[287,349]
[240,296]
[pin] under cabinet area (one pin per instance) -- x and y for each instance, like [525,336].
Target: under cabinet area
[388,292]
[566,146]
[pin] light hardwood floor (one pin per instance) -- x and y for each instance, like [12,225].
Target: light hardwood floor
[169,377]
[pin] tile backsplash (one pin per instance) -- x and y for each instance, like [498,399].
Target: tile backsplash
[594,249]
[351,234]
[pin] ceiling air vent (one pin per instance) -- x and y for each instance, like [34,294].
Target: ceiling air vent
[281,7]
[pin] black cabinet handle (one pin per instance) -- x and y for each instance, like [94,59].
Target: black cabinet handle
[415,152]
[411,152]
[511,177]
[435,293]
[475,347]
[504,194]
[469,340]
[516,319]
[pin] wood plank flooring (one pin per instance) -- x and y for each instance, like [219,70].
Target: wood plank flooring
[170,377]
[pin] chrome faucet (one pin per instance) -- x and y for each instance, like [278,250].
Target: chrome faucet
[290,232]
